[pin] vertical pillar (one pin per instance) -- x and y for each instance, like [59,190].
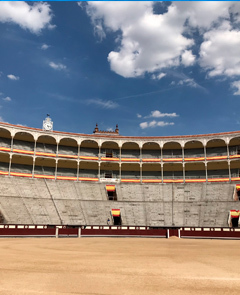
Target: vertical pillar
[162,171]
[140,172]
[33,167]
[12,144]
[120,172]
[35,147]
[57,231]
[229,170]
[77,170]
[57,150]
[10,163]
[99,152]
[206,171]
[78,151]
[56,169]
[99,170]
[183,172]
[79,232]
[205,152]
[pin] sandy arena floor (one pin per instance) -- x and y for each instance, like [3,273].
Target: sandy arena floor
[128,266]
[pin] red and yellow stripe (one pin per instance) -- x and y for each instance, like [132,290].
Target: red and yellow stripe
[3,172]
[151,160]
[88,179]
[45,154]
[131,180]
[88,158]
[109,159]
[130,160]
[5,149]
[116,212]
[151,180]
[67,156]
[110,188]
[23,152]
[172,159]
[194,159]
[217,158]
[234,213]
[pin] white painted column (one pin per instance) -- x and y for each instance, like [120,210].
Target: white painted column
[79,232]
[57,231]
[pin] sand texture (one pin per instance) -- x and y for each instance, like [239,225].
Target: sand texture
[93,266]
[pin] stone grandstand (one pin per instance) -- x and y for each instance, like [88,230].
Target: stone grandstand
[49,177]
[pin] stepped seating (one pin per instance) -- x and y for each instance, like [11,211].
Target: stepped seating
[40,201]
[23,145]
[5,142]
[4,166]
[151,154]
[130,154]
[89,152]
[68,150]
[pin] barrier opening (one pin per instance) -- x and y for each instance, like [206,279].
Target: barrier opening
[116,215]
[234,218]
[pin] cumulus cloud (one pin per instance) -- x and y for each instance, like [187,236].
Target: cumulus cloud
[57,66]
[188,82]
[45,47]
[158,114]
[159,76]
[105,104]
[33,17]
[236,85]
[139,116]
[7,98]
[142,33]
[150,42]
[13,77]
[188,59]
[219,53]
[154,123]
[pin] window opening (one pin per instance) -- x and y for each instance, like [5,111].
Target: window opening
[109,153]
[111,192]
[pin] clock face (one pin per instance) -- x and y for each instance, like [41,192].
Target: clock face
[47,125]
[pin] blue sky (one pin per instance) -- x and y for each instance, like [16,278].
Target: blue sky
[155,69]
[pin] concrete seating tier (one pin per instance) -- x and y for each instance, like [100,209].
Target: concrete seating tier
[41,201]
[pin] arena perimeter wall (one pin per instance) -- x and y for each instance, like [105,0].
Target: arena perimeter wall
[60,231]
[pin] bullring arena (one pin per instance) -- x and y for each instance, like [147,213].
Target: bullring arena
[118,215]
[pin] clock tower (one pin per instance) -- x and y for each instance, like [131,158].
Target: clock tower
[48,124]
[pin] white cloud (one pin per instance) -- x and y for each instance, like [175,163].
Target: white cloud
[236,84]
[45,46]
[105,104]
[154,123]
[188,58]
[7,98]
[159,76]
[158,114]
[13,77]
[109,129]
[34,17]
[151,42]
[219,53]
[1,119]
[57,66]
[139,116]
[142,48]
[188,82]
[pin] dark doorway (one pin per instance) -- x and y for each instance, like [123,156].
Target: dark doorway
[235,222]
[117,220]
[112,195]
